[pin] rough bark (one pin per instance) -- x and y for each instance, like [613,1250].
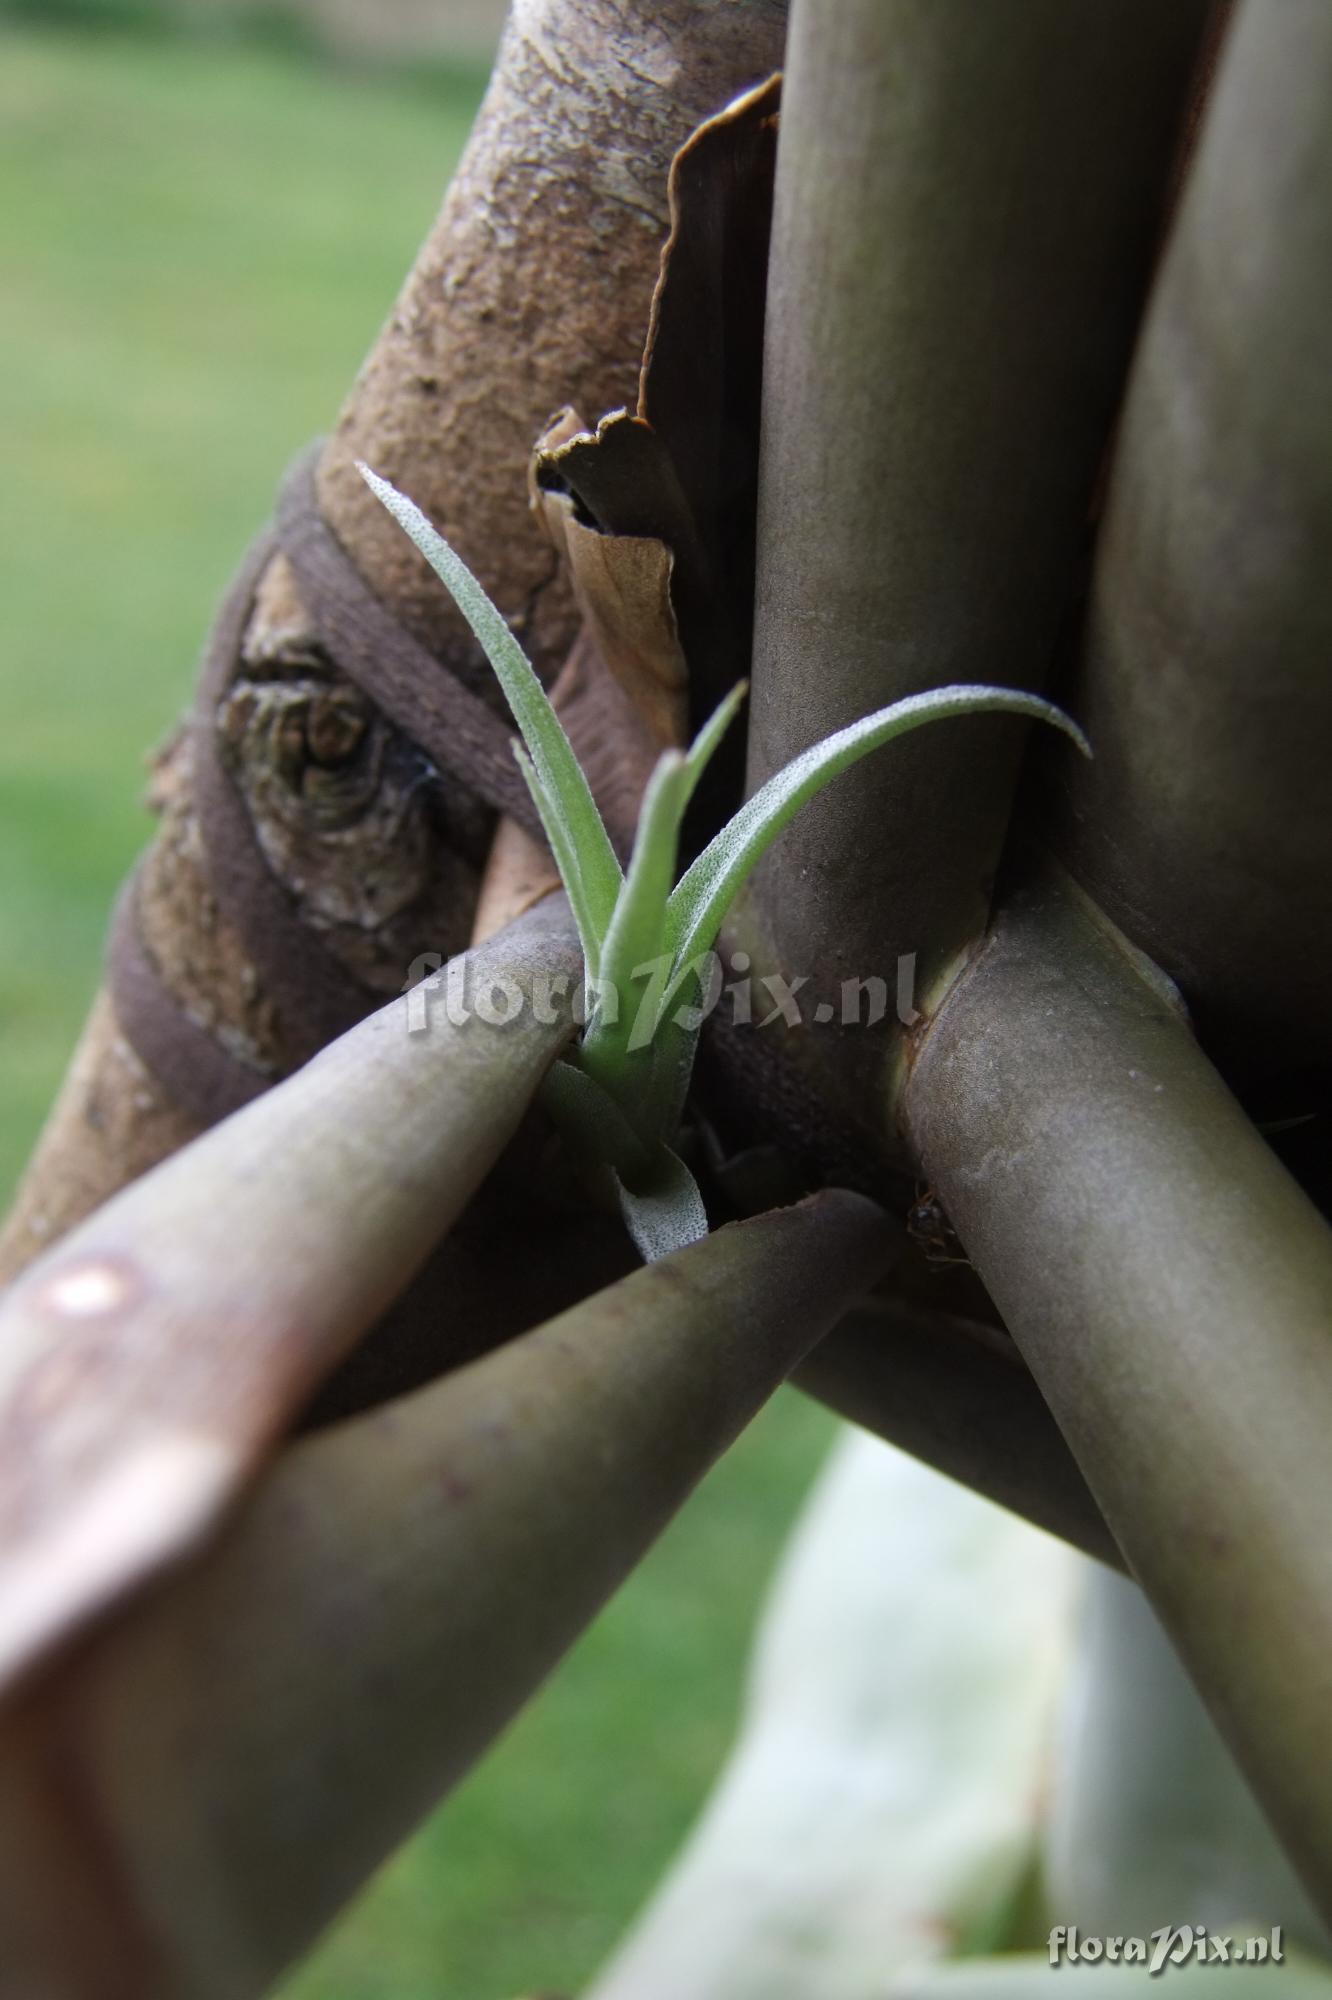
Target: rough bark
[533,288]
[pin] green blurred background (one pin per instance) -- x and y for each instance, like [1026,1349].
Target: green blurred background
[204,219]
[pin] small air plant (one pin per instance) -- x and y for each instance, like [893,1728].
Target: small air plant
[619,1099]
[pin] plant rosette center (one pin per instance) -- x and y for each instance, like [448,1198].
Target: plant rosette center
[618,1100]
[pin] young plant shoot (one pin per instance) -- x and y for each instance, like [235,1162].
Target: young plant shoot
[646,937]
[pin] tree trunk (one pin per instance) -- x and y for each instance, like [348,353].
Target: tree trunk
[531,291]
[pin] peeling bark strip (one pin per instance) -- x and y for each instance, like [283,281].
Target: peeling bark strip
[655,510]
[533,288]
[316,998]
[547,251]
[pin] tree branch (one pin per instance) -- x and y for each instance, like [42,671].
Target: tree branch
[1171,1288]
[257,1737]
[968,201]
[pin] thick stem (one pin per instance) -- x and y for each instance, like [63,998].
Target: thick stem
[1204,684]
[1171,1288]
[882,1801]
[967,203]
[957,1395]
[260,1734]
[149,1360]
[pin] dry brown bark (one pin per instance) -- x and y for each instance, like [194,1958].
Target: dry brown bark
[531,291]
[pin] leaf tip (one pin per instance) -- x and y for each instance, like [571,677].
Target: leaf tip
[379,487]
[1078,735]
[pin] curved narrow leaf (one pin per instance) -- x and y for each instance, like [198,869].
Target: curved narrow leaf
[707,889]
[708,740]
[637,939]
[666,1212]
[674,1046]
[592,1121]
[566,860]
[637,928]
[568,795]
[658,1197]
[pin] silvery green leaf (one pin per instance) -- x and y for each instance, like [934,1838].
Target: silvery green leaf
[593,1122]
[674,1046]
[566,860]
[634,937]
[706,891]
[586,848]
[658,1196]
[705,744]
[665,1213]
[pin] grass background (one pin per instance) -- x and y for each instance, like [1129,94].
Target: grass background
[198,241]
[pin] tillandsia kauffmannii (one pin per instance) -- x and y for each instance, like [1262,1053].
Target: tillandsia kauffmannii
[647,938]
